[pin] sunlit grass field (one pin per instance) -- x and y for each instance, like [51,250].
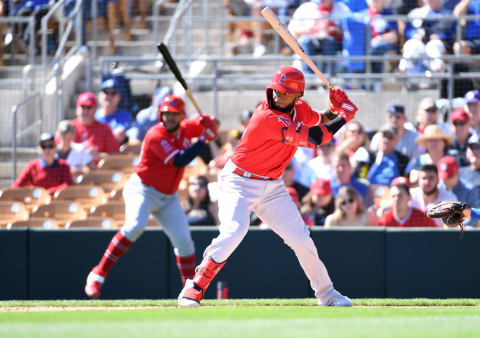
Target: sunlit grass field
[241,318]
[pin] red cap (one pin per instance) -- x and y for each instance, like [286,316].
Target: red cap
[400,180]
[459,114]
[293,194]
[288,80]
[86,99]
[320,187]
[447,167]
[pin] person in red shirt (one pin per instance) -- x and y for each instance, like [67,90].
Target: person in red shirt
[97,137]
[251,181]
[48,171]
[152,189]
[401,214]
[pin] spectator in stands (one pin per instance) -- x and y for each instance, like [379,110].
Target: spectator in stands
[288,177]
[119,120]
[113,6]
[142,10]
[199,208]
[320,165]
[387,163]
[343,176]
[354,141]
[244,119]
[406,137]
[48,171]
[427,38]
[472,172]
[427,114]
[472,99]
[349,210]
[428,193]
[28,8]
[355,5]
[383,33]
[449,175]
[470,43]
[77,157]
[96,136]
[147,117]
[315,34]
[319,202]
[436,143]
[228,148]
[460,125]
[401,214]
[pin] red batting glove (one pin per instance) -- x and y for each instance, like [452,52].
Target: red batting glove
[341,105]
[209,128]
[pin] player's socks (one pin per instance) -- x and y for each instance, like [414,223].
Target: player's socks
[116,249]
[194,290]
[186,267]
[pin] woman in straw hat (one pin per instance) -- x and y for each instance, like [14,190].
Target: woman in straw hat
[436,143]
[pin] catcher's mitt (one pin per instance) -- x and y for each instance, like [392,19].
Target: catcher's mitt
[450,213]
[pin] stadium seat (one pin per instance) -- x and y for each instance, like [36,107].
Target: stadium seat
[87,195]
[121,162]
[93,222]
[116,195]
[113,209]
[108,179]
[11,211]
[62,211]
[45,223]
[29,196]
[131,149]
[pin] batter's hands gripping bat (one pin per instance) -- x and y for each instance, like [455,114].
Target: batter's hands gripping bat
[280,28]
[173,67]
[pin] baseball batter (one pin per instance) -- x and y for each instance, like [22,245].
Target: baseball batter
[251,180]
[166,150]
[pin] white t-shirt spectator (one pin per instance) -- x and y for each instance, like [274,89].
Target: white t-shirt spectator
[78,156]
[418,202]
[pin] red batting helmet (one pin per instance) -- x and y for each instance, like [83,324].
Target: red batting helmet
[173,104]
[288,80]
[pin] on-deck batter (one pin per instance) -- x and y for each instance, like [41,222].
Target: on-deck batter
[166,150]
[251,180]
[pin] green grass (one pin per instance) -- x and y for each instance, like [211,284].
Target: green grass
[246,318]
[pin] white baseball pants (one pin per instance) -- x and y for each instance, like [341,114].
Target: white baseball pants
[271,202]
[141,200]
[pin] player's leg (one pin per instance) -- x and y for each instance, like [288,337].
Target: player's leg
[236,200]
[173,220]
[137,210]
[282,215]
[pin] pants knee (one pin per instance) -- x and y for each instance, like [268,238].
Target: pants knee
[132,233]
[185,248]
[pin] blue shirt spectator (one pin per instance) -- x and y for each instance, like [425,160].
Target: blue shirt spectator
[147,117]
[354,5]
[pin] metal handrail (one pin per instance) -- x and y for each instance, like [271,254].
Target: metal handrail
[14,112]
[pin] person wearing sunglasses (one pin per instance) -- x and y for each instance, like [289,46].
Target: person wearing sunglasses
[471,173]
[48,171]
[460,124]
[427,114]
[119,120]
[199,208]
[349,210]
[406,137]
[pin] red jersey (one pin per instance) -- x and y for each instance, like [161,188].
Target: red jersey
[37,174]
[97,134]
[417,218]
[261,150]
[159,148]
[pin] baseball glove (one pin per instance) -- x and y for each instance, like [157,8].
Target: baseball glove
[450,213]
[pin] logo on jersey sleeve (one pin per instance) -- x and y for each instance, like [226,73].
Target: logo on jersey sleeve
[166,146]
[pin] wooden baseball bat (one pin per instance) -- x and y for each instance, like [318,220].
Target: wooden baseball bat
[284,33]
[162,48]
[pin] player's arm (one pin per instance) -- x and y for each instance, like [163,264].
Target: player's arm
[184,157]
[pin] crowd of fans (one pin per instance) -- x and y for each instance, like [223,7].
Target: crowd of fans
[386,177]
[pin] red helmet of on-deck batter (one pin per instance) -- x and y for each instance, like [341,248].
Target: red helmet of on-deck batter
[288,80]
[173,104]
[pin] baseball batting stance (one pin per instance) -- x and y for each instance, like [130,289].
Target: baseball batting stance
[251,180]
[166,150]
